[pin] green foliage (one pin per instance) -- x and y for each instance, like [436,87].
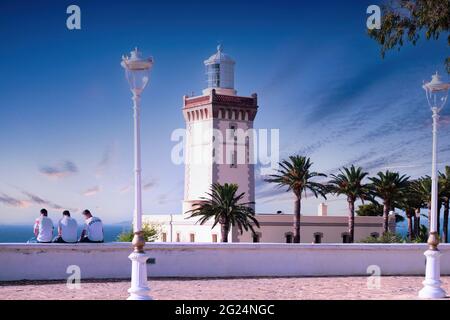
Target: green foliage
[444,184]
[405,20]
[296,175]
[225,207]
[422,187]
[387,237]
[389,185]
[151,233]
[411,199]
[423,235]
[349,182]
[370,209]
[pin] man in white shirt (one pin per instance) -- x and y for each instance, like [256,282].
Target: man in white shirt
[93,230]
[43,228]
[67,229]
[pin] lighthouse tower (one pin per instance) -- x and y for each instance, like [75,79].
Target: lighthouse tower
[219,144]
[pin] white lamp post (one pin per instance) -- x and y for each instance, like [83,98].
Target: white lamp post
[137,72]
[437,93]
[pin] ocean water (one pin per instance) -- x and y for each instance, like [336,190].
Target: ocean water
[23,233]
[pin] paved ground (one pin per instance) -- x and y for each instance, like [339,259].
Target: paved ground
[227,289]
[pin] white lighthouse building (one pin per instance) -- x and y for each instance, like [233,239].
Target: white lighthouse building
[219,143]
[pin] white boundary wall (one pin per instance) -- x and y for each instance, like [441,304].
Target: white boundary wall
[110,260]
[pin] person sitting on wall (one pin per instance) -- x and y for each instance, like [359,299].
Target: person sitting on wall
[93,230]
[67,229]
[43,228]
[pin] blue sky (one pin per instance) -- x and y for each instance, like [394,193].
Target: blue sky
[65,108]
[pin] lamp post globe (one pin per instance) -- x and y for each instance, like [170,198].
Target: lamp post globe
[137,71]
[437,93]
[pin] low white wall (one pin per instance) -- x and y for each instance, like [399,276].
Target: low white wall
[110,260]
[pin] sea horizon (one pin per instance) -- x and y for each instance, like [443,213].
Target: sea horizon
[21,233]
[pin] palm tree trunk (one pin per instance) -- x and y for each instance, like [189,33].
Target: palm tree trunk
[386,208]
[297,211]
[409,215]
[445,227]
[225,229]
[429,217]
[351,219]
[417,223]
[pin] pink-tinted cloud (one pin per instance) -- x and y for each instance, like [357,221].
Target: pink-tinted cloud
[13,202]
[125,189]
[91,191]
[34,199]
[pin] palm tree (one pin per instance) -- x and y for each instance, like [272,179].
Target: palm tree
[410,202]
[349,182]
[296,175]
[389,187]
[416,189]
[225,207]
[445,192]
[422,186]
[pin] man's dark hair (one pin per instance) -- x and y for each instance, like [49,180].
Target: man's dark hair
[44,212]
[87,213]
[66,213]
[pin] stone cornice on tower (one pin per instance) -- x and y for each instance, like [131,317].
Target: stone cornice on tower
[220,106]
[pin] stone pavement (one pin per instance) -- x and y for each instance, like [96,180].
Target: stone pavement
[346,288]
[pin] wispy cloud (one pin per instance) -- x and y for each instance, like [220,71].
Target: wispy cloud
[125,189]
[146,186]
[91,191]
[35,199]
[13,202]
[444,120]
[106,160]
[31,199]
[60,170]
[162,199]
[149,185]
